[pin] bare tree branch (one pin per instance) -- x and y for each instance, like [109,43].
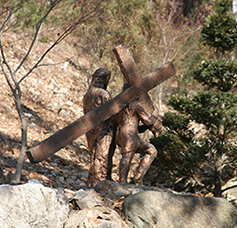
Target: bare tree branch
[4,23]
[53,4]
[13,8]
[67,32]
[3,61]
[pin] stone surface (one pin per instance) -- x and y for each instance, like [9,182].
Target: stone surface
[114,190]
[230,191]
[98,217]
[87,200]
[171,210]
[111,189]
[32,205]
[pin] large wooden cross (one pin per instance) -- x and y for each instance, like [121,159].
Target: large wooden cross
[132,75]
[139,88]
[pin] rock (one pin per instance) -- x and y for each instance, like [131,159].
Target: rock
[85,200]
[114,190]
[167,209]
[111,189]
[230,191]
[32,205]
[97,217]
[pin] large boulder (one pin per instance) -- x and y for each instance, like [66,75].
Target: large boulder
[32,205]
[167,209]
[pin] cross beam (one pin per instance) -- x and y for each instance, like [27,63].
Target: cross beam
[87,122]
[131,73]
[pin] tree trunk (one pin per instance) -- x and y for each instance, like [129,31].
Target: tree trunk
[217,189]
[21,159]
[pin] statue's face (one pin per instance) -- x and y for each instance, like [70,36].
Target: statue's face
[102,81]
[101,77]
[157,128]
[106,82]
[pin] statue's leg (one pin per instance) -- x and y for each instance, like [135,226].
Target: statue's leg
[150,153]
[90,177]
[111,154]
[91,140]
[124,165]
[101,159]
[128,146]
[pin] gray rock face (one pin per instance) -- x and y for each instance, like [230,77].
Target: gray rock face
[230,192]
[32,205]
[112,190]
[85,200]
[97,217]
[169,210]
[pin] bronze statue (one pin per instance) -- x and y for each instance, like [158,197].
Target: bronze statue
[129,141]
[99,138]
[89,121]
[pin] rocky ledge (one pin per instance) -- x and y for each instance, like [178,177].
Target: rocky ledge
[110,204]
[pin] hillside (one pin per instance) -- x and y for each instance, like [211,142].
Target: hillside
[52,99]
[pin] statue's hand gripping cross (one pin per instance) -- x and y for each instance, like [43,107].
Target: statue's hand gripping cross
[139,88]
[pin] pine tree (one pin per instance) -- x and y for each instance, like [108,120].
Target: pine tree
[210,157]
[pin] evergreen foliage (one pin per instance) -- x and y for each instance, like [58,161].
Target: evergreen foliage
[30,13]
[209,156]
[219,74]
[220,29]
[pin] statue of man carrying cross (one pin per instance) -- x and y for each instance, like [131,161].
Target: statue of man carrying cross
[130,142]
[100,138]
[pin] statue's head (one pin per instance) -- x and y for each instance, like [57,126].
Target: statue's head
[101,77]
[157,127]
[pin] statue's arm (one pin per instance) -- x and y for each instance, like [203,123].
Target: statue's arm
[143,116]
[154,114]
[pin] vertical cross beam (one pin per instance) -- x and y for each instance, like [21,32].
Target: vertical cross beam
[131,73]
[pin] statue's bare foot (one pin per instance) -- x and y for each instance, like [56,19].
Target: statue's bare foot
[136,182]
[123,182]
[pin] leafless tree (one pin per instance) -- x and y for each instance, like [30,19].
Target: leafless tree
[174,37]
[89,10]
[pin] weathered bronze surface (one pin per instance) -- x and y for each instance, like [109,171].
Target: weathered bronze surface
[84,124]
[133,77]
[99,138]
[129,141]
[142,109]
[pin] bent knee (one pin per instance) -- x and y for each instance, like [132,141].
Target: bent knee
[152,151]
